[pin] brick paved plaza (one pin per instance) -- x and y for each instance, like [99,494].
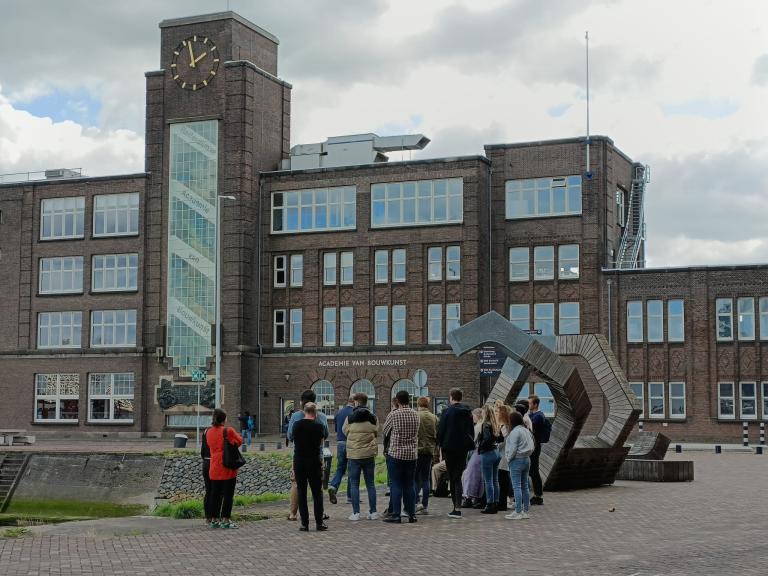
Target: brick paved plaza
[716,525]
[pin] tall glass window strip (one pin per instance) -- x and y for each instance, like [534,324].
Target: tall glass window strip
[435,264]
[655,320]
[543,262]
[115,272]
[316,210]
[634,321]
[381,331]
[677,400]
[569,318]
[329,326]
[280,271]
[568,261]
[347,268]
[726,401]
[763,307]
[325,397]
[116,215]
[519,263]
[544,318]
[637,389]
[420,203]
[61,275]
[724,314]
[543,197]
[398,265]
[296,327]
[452,263]
[62,218]
[347,334]
[748,400]
[59,329]
[656,402]
[398,324]
[452,317]
[113,328]
[110,397]
[366,387]
[746,307]
[520,316]
[329,268]
[765,400]
[297,270]
[676,320]
[57,397]
[381,260]
[279,333]
[435,324]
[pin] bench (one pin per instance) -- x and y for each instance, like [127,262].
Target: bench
[656,470]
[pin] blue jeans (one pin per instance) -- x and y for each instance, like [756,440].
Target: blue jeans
[246,434]
[423,477]
[368,466]
[341,467]
[518,472]
[403,486]
[489,466]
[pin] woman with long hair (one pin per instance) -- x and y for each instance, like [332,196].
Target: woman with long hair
[502,412]
[518,447]
[487,441]
[223,479]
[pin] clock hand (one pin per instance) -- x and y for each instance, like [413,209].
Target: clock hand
[200,57]
[191,55]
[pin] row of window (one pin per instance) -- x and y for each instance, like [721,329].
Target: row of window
[665,400]
[109,273]
[652,330]
[109,328]
[110,397]
[113,215]
[544,265]
[568,318]
[745,318]
[744,397]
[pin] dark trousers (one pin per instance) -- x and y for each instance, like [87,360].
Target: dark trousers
[222,495]
[505,483]
[423,477]
[309,471]
[538,489]
[455,462]
[207,483]
[403,486]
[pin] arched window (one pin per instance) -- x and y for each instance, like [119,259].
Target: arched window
[326,398]
[367,388]
[408,386]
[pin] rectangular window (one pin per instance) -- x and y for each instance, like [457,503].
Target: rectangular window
[279,329]
[724,312]
[59,329]
[543,262]
[398,265]
[297,270]
[297,317]
[676,320]
[421,203]
[347,326]
[763,318]
[110,397]
[746,318]
[634,321]
[329,326]
[765,400]
[520,316]
[61,275]
[398,325]
[677,400]
[329,268]
[656,401]
[519,261]
[620,207]
[62,218]
[347,268]
[452,263]
[116,215]
[316,210]
[113,328]
[56,397]
[435,324]
[381,331]
[279,272]
[655,310]
[115,272]
[637,389]
[452,317]
[748,400]
[726,401]
[544,319]
[570,322]
[381,259]
[543,197]
[568,261]
[435,264]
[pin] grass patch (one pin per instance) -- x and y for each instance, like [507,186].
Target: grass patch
[15,532]
[248,499]
[183,510]
[61,510]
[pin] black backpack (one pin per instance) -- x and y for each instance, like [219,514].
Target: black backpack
[546,430]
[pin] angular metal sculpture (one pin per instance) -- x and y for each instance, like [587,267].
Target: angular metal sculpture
[567,460]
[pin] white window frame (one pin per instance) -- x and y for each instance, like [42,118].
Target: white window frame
[329,326]
[111,396]
[518,264]
[279,320]
[549,188]
[130,317]
[569,272]
[339,199]
[347,326]
[673,397]
[280,269]
[436,195]
[124,208]
[297,270]
[722,315]
[743,397]
[326,397]
[675,319]
[381,266]
[453,262]
[434,264]
[123,265]
[435,324]
[381,325]
[58,397]
[347,268]
[763,312]
[563,313]
[55,212]
[54,320]
[452,317]
[60,270]
[721,397]
[543,256]
[655,320]
[640,397]
[652,396]
[329,268]
[399,320]
[399,265]
[297,327]
[515,315]
[543,312]
[746,318]
[633,315]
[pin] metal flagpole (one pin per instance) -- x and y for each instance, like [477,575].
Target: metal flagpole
[586,37]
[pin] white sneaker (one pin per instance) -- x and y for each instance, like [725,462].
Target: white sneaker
[419,508]
[354,517]
[524,516]
[403,514]
[514,516]
[373,516]
[423,511]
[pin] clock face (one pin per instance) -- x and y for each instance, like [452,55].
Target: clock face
[195,62]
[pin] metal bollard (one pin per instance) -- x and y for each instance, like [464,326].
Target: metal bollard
[640,425]
[279,445]
[718,449]
[678,449]
[758,450]
[745,433]
[762,433]
[261,447]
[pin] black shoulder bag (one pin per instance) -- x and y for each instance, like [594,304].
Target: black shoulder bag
[231,456]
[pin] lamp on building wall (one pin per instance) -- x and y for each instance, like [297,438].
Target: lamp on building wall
[287,377]
[217,402]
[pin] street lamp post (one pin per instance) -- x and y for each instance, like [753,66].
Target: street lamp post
[217,401]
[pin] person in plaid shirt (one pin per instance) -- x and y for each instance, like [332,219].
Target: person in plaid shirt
[403,426]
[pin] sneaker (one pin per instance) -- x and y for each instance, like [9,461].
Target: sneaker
[423,511]
[213,525]
[332,495]
[303,528]
[537,501]
[373,516]
[354,516]
[456,514]
[419,508]
[393,519]
[514,516]
[412,520]
[524,516]
[229,525]
[322,527]
[403,514]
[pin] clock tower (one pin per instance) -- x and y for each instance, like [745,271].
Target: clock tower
[217,115]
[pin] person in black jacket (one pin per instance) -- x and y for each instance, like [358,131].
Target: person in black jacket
[205,454]
[455,436]
[308,436]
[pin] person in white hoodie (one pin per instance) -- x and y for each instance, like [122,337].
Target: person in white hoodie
[518,446]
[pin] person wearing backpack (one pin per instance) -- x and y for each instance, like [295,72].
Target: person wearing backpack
[541,429]
[223,479]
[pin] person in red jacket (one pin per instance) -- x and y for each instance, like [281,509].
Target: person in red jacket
[223,479]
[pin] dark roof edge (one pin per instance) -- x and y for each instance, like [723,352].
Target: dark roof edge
[698,268]
[202,18]
[574,140]
[377,165]
[252,66]
[48,182]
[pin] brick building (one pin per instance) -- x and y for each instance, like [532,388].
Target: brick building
[340,270]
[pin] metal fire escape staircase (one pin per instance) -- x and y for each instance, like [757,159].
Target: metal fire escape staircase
[634,231]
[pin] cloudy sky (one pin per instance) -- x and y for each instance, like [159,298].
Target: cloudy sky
[680,85]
